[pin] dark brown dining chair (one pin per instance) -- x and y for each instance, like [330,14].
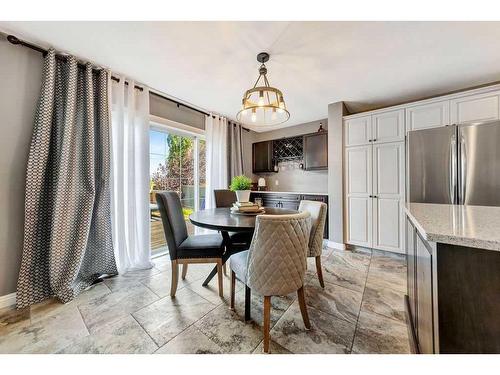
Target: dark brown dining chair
[185,249]
[226,198]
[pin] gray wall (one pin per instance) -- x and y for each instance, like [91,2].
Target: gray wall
[335,172]
[20,77]
[290,177]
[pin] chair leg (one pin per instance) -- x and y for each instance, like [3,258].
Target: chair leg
[175,278]
[267,322]
[219,278]
[184,270]
[248,302]
[319,271]
[233,285]
[303,307]
[224,269]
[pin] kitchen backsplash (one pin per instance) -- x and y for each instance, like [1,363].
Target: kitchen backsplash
[291,178]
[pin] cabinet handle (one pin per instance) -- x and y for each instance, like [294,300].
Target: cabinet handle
[374,140]
[369,140]
[370,196]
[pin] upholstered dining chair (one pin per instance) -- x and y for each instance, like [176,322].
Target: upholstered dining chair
[185,249]
[318,216]
[275,263]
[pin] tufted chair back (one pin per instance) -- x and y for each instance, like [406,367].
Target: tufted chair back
[277,256]
[318,218]
[174,225]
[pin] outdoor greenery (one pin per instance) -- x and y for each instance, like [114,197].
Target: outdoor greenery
[178,170]
[240,183]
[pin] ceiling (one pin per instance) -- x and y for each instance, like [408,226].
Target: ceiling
[211,64]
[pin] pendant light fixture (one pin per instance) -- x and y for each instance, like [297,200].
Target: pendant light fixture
[263,105]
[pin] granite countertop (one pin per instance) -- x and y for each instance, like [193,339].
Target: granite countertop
[473,226]
[288,192]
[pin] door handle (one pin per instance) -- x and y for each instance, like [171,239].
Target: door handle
[453,169]
[463,170]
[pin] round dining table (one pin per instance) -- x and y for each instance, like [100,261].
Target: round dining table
[224,221]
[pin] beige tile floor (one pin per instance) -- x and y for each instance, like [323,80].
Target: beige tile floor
[360,310]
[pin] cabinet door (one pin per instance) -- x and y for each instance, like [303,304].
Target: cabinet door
[262,157]
[425,322]
[411,271]
[475,108]
[388,192]
[316,151]
[388,126]
[358,177]
[430,115]
[358,131]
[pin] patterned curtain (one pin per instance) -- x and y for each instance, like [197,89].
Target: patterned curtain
[67,225]
[235,151]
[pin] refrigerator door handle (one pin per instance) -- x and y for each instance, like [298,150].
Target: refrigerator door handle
[453,169]
[463,170]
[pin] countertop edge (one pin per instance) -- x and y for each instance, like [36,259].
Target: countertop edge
[452,240]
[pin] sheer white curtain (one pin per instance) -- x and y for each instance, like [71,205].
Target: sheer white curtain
[130,175]
[216,158]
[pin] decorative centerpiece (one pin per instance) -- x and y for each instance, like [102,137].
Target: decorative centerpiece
[241,186]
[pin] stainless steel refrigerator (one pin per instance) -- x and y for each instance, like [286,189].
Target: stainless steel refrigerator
[455,164]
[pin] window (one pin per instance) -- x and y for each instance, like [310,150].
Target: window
[177,163]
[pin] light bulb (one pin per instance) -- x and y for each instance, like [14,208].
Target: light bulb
[244,113]
[254,116]
[281,110]
[260,103]
[273,115]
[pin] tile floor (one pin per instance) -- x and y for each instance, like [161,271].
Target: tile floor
[359,311]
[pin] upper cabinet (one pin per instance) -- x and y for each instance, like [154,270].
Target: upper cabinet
[388,126]
[358,131]
[429,115]
[481,107]
[316,151]
[262,157]
[378,128]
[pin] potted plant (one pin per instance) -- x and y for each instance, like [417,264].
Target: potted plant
[241,186]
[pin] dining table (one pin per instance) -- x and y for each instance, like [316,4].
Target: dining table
[225,221]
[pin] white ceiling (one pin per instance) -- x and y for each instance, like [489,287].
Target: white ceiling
[211,64]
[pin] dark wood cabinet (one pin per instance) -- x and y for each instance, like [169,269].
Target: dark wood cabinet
[316,151]
[411,272]
[262,157]
[452,304]
[423,287]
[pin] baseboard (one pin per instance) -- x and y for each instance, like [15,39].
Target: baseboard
[335,245]
[8,300]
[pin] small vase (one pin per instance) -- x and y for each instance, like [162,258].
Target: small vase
[243,195]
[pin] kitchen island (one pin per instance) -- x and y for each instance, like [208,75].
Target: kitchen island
[453,258]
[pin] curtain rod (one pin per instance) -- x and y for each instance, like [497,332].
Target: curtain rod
[15,40]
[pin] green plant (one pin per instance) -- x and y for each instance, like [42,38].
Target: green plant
[240,183]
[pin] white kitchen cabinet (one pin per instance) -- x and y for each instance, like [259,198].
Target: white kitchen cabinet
[379,128]
[374,176]
[474,108]
[358,178]
[388,126]
[388,196]
[430,115]
[358,131]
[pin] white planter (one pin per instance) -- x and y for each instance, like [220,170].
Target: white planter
[243,195]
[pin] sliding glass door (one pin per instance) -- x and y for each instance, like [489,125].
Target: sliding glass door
[177,163]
